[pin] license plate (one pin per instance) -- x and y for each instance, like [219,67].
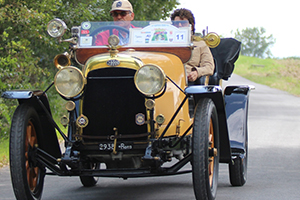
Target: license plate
[110,146]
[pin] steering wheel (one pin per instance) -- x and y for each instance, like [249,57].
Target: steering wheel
[110,28]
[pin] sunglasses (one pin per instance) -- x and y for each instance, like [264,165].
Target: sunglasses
[122,13]
[181,23]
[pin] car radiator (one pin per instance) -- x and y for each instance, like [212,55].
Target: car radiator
[112,102]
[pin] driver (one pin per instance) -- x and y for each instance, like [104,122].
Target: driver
[201,62]
[122,14]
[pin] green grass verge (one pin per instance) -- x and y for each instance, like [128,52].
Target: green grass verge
[283,74]
[4,153]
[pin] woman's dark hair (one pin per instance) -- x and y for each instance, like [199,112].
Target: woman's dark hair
[185,13]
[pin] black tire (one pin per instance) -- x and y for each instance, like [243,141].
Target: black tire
[205,155]
[238,171]
[26,176]
[238,168]
[90,181]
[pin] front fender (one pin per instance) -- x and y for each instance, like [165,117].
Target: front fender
[236,101]
[29,96]
[215,93]
[20,94]
[39,100]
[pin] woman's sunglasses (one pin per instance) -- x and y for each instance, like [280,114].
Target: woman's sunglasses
[181,23]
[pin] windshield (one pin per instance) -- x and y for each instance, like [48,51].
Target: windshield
[139,34]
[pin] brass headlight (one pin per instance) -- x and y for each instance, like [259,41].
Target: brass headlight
[150,79]
[56,28]
[69,81]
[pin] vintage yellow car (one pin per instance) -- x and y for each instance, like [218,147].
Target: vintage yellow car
[131,110]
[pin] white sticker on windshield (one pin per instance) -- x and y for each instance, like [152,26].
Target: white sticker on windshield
[86,41]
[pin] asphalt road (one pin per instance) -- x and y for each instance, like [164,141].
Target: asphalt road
[273,165]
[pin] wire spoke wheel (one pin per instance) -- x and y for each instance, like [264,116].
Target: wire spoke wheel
[26,174]
[205,158]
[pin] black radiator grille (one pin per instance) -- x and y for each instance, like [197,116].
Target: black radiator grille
[111,100]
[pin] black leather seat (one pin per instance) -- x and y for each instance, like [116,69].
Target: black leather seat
[225,55]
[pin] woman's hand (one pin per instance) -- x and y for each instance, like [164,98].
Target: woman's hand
[193,76]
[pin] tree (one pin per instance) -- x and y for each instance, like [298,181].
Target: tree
[254,42]
[153,9]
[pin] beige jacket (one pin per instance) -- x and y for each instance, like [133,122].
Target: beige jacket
[201,60]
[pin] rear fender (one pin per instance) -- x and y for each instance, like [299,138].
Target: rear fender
[215,93]
[236,105]
[48,140]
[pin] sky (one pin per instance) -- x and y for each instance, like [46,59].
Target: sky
[279,18]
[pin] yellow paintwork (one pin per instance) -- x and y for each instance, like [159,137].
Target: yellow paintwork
[99,61]
[168,102]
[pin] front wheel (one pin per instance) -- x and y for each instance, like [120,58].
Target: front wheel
[26,174]
[90,181]
[205,155]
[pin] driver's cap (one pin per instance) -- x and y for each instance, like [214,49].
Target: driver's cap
[121,5]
